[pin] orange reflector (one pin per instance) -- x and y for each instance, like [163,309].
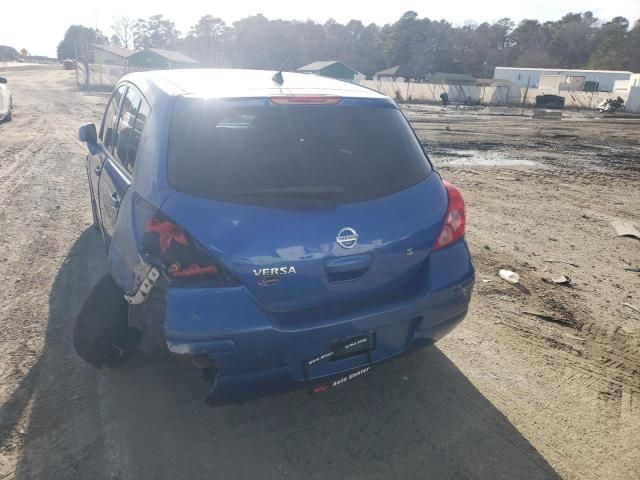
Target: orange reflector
[308,99]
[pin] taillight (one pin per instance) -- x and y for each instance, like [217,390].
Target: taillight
[185,261]
[453,228]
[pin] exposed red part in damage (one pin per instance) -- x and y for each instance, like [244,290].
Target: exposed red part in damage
[194,270]
[167,232]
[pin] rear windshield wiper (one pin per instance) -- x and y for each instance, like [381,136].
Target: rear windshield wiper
[297,192]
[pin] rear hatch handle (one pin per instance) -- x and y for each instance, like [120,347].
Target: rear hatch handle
[348,268]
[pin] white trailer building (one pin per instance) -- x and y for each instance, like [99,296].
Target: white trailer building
[604,79]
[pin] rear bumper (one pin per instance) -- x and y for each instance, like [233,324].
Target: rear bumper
[256,357]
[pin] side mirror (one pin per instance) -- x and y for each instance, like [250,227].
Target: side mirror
[3,80]
[88,134]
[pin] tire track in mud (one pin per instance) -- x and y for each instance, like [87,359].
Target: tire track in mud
[600,360]
[607,353]
[66,421]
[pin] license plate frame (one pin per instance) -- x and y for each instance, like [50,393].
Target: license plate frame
[341,349]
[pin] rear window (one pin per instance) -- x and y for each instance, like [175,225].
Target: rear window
[241,150]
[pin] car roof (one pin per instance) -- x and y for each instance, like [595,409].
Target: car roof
[237,83]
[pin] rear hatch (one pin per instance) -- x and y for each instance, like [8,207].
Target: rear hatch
[305,204]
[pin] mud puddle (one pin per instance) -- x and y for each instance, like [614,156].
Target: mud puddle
[479,158]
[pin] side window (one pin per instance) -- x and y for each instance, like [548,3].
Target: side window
[110,117]
[126,123]
[136,134]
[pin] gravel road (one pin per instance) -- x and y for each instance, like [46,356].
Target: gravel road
[508,395]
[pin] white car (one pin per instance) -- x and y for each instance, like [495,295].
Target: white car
[6,102]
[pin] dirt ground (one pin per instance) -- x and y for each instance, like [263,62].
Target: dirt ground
[552,393]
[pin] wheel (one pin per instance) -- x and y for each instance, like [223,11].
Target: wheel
[102,335]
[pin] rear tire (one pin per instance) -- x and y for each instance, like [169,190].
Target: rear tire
[102,335]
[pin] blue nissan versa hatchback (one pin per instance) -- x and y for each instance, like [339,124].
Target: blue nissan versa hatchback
[279,232]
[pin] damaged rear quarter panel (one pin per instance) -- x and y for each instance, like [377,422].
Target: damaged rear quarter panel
[148,183]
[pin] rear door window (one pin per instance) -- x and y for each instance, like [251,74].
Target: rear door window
[236,150]
[110,117]
[126,124]
[136,134]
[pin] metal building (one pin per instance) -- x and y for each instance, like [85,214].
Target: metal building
[110,55]
[332,69]
[565,79]
[156,58]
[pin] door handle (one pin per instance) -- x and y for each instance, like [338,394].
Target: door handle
[115,200]
[98,170]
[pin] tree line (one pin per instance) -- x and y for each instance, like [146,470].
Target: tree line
[577,40]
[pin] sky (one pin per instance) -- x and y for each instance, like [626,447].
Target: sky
[38,26]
